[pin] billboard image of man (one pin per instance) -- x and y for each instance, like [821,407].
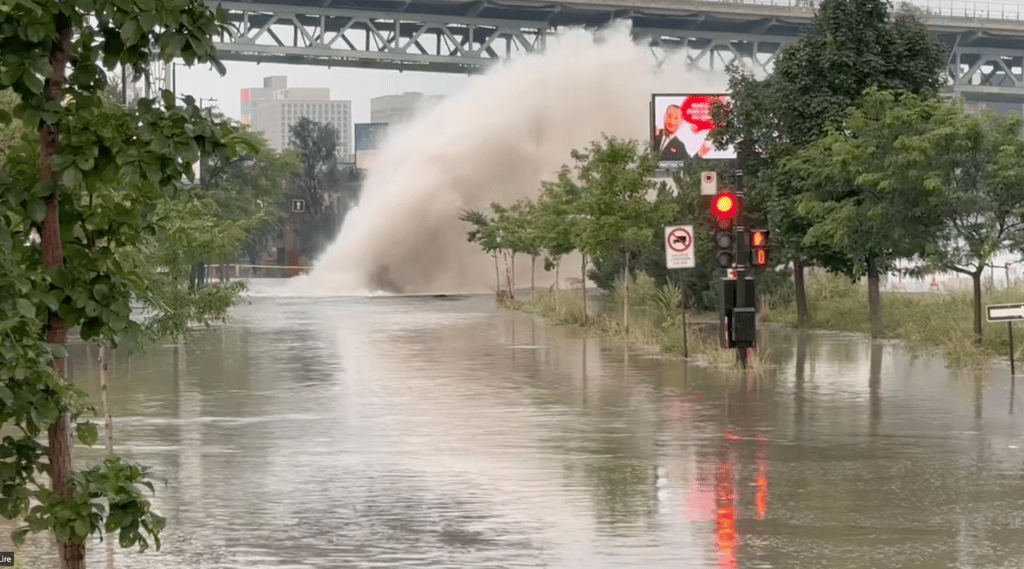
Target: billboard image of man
[668,145]
[680,125]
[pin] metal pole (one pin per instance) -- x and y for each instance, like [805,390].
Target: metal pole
[682,296]
[1009,327]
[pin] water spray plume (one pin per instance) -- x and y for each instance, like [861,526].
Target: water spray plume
[495,141]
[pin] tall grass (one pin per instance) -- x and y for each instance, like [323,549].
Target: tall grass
[655,322]
[940,322]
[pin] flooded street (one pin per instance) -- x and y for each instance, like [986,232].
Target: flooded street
[448,433]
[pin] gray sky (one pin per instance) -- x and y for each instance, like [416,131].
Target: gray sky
[356,85]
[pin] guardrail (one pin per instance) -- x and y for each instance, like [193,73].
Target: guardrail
[1001,11]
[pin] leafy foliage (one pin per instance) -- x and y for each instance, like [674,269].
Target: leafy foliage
[855,44]
[318,177]
[118,172]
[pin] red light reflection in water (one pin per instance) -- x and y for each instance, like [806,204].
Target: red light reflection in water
[725,521]
[761,499]
[726,498]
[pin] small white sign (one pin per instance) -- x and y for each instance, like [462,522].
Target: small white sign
[298,206]
[1004,312]
[679,247]
[708,183]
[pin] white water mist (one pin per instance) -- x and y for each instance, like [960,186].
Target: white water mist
[493,142]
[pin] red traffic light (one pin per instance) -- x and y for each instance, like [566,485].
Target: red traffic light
[724,209]
[725,205]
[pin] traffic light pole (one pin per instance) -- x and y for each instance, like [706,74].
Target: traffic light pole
[744,312]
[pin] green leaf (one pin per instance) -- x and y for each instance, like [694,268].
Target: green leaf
[51,300]
[148,19]
[72,177]
[18,537]
[87,433]
[36,210]
[25,307]
[130,33]
[7,396]
[101,292]
[172,42]
[82,527]
[33,82]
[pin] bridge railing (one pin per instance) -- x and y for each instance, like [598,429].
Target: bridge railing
[944,8]
[973,10]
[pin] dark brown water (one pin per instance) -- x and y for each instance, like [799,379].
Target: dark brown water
[420,432]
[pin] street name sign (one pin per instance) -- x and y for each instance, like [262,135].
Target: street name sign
[679,247]
[1005,312]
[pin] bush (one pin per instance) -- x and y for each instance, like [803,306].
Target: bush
[657,323]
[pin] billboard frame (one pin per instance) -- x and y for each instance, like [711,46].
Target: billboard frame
[655,117]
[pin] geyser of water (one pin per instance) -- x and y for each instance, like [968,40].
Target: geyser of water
[493,142]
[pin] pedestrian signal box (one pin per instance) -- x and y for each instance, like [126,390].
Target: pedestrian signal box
[759,248]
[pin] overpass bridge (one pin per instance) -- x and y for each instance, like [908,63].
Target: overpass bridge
[986,39]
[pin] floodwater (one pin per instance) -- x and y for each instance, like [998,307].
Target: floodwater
[401,432]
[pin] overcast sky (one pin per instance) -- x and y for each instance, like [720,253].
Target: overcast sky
[356,85]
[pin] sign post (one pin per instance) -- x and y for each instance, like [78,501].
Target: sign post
[1006,313]
[679,255]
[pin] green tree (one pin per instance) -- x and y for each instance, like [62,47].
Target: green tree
[855,44]
[249,189]
[555,221]
[871,190]
[87,185]
[682,198]
[484,234]
[317,182]
[977,163]
[524,236]
[614,210]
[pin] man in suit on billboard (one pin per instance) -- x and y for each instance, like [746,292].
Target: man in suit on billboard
[666,143]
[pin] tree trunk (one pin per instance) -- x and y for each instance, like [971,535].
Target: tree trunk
[874,299]
[558,265]
[801,294]
[107,418]
[508,274]
[512,276]
[72,555]
[533,277]
[497,276]
[625,302]
[583,284]
[976,280]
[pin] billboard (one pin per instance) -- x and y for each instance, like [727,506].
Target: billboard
[680,124]
[368,138]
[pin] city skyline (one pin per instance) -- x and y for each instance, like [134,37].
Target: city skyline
[353,84]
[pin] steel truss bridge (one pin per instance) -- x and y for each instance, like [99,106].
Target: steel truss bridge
[986,39]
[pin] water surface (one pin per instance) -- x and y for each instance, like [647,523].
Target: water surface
[427,432]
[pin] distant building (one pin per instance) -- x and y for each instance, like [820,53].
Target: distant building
[395,109]
[369,137]
[251,97]
[273,109]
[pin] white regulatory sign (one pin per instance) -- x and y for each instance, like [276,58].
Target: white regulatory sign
[1004,312]
[679,247]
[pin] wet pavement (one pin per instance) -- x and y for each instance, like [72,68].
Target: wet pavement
[447,432]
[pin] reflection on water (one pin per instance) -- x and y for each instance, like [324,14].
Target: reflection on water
[422,432]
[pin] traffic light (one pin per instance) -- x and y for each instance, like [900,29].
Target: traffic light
[725,210]
[759,248]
